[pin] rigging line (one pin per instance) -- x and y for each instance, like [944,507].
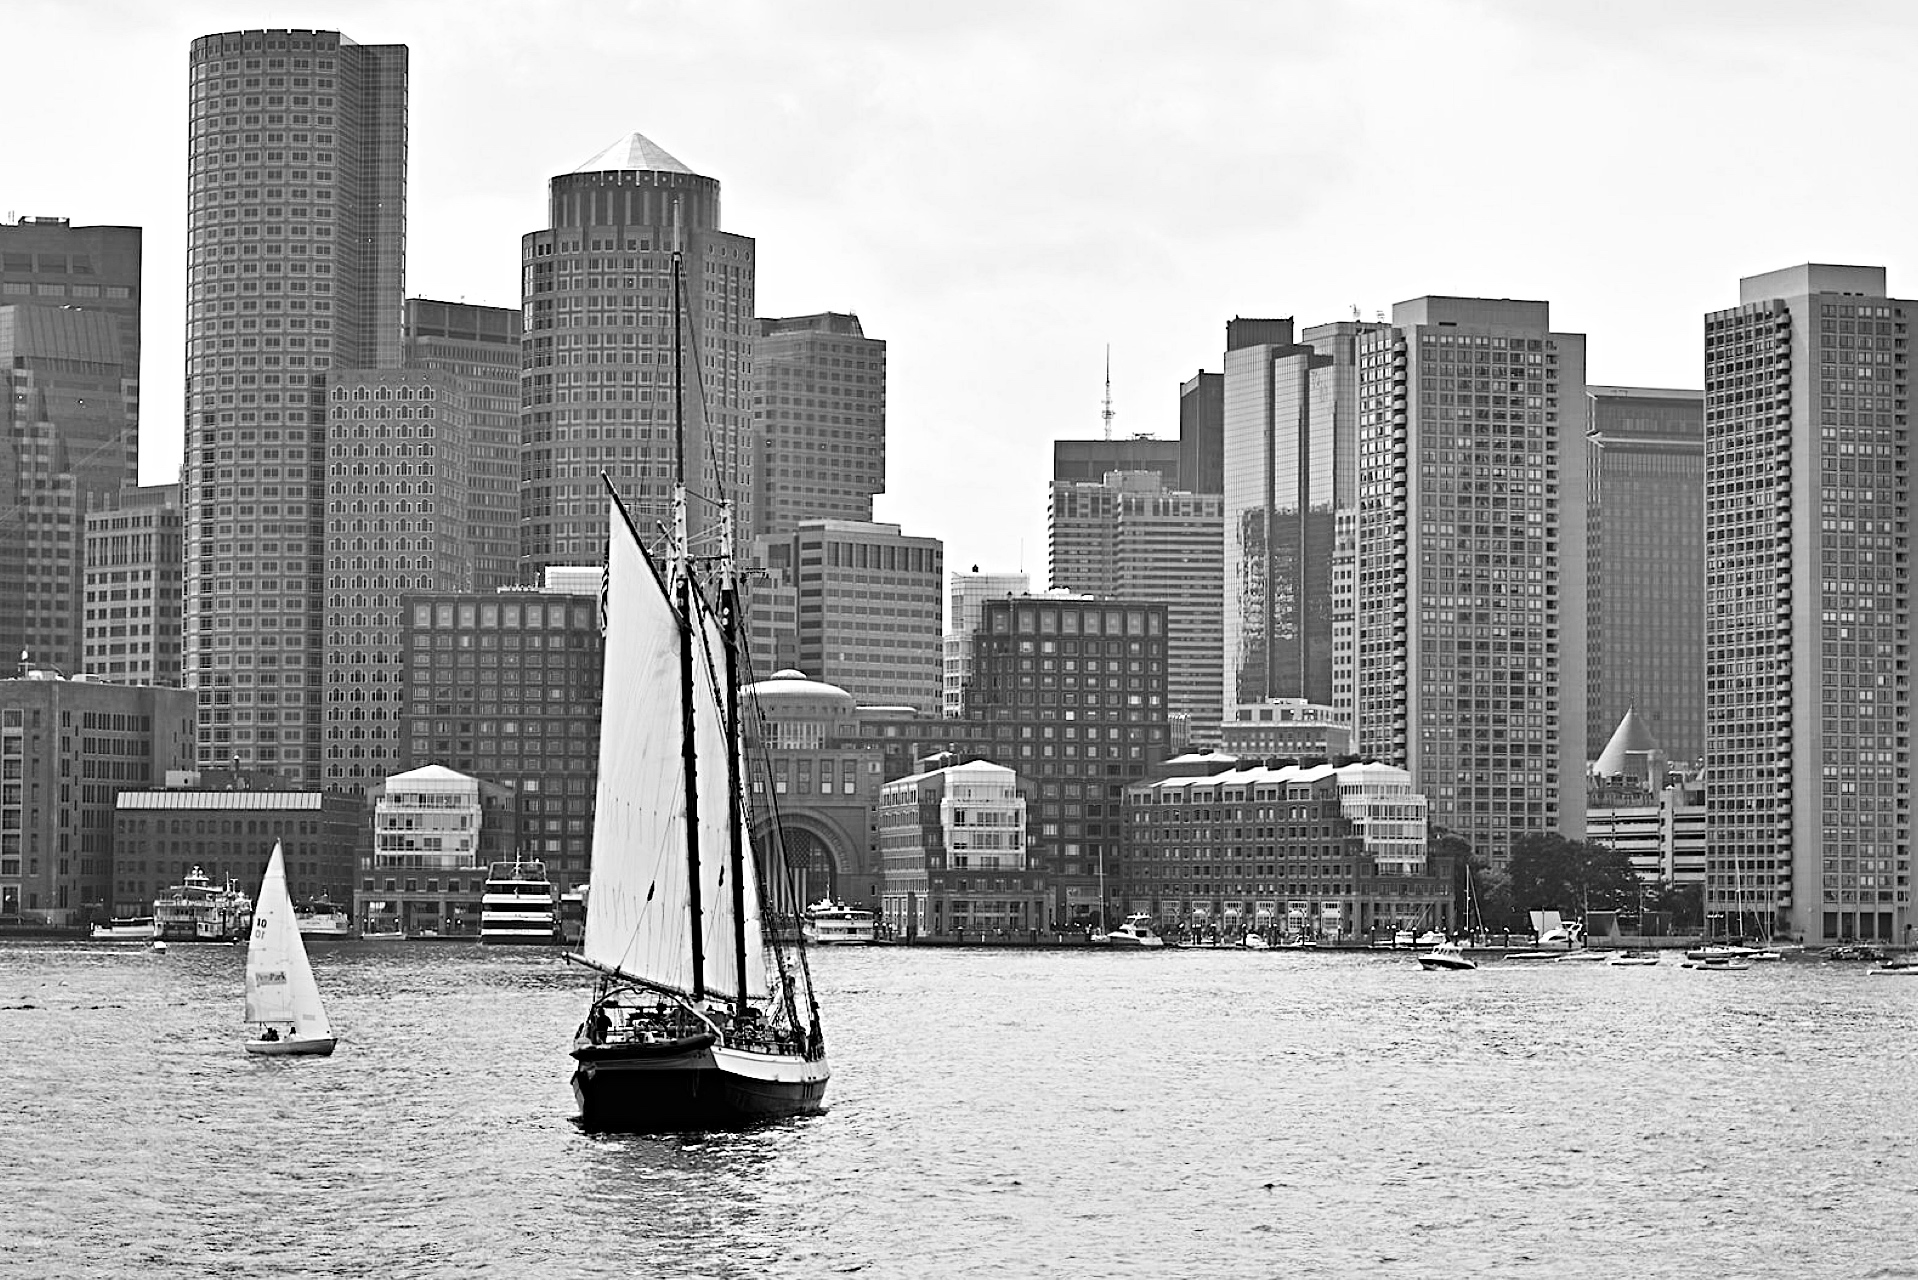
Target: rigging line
[699,395]
[789,875]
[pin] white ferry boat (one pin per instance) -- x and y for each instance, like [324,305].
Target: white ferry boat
[126,929]
[321,919]
[834,924]
[519,904]
[195,910]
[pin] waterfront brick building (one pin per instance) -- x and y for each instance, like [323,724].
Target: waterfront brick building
[68,748]
[160,835]
[1319,850]
[952,847]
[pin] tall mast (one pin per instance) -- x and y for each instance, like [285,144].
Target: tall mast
[683,589]
[736,836]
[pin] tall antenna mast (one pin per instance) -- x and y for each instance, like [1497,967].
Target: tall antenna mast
[1105,414]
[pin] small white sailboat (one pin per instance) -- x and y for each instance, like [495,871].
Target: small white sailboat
[282,999]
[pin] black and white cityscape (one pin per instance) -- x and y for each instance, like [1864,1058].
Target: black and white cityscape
[547,650]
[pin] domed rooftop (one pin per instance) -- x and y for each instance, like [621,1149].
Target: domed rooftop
[794,684]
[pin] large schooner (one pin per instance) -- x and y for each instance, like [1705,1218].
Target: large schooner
[700,1017]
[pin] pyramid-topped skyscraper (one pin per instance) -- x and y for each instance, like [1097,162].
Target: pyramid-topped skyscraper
[598,384]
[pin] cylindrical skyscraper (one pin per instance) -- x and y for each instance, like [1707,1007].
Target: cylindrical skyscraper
[598,390]
[296,234]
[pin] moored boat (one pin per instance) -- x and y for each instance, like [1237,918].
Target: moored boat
[321,919]
[1622,959]
[1135,932]
[519,904]
[126,929]
[195,910]
[834,924]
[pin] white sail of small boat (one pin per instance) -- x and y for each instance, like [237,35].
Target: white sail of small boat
[282,999]
[700,1018]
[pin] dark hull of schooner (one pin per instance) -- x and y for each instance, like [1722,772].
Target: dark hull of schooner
[691,1085]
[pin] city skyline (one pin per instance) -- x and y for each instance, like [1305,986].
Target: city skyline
[855,176]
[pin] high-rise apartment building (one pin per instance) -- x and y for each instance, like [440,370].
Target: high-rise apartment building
[64,432]
[1645,594]
[396,456]
[1808,611]
[480,346]
[1470,595]
[819,419]
[296,243]
[51,262]
[970,590]
[599,389]
[131,628]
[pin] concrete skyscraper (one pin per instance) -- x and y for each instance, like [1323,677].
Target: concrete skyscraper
[131,631]
[1808,498]
[1202,433]
[1132,538]
[819,418]
[1646,595]
[1470,585]
[480,346]
[296,244]
[598,389]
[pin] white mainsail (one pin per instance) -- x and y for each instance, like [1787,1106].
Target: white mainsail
[279,981]
[639,914]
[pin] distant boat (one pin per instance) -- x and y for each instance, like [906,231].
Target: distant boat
[519,904]
[321,919]
[1446,955]
[381,931]
[282,999]
[830,924]
[1135,932]
[195,910]
[1255,941]
[1719,964]
[1621,959]
[126,929]
[1897,967]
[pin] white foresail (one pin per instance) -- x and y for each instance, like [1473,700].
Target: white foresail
[279,981]
[719,808]
[637,916]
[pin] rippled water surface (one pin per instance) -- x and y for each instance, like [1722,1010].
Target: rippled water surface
[991,1113]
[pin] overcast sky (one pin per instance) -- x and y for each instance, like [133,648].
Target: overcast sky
[1001,190]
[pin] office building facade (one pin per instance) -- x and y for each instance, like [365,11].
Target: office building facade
[65,432]
[819,420]
[970,590]
[505,687]
[68,748]
[395,525]
[296,243]
[1470,610]
[1808,607]
[131,614]
[599,386]
[1202,433]
[864,599]
[50,262]
[480,347]
[1645,594]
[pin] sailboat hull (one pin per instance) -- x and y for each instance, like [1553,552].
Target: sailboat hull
[642,1089]
[294,1046]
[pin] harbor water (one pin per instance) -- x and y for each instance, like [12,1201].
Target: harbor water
[992,1113]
